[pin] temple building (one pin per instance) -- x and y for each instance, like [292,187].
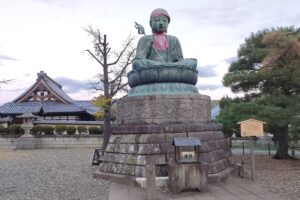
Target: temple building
[46,99]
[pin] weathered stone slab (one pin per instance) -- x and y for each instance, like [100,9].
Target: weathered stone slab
[110,147]
[204,147]
[218,166]
[151,138]
[167,148]
[148,149]
[159,159]
[114,138]
[170,157]
[164,109]
[188,176]
[122,148]
[228,152]
[130,148]
[117,148]
[141,160]
[213,145]
[128,170]
[199,127]
[207,135]
[216,155]
[165,128]
[103,167]
[224,143]
[140,171]
[131,159]
[171,136]
[128,138]
[115,168]
[121,158]
[203,157]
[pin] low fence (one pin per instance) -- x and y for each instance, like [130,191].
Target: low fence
[58,142]
[267,146]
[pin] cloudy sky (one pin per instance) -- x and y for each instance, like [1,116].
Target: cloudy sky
[48,35]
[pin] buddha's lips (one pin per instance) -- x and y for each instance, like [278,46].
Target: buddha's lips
[160,41]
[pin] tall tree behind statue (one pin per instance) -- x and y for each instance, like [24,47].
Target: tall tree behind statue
[268,73]
[110,80]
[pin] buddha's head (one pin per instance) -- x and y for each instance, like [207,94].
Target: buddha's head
[159,20]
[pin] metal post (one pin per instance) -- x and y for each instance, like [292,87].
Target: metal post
[252,160]
[243,144]
[293,151]
[269,148]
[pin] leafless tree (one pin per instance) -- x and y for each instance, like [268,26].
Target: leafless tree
[114,67]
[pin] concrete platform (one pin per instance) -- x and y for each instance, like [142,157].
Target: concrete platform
[233,189]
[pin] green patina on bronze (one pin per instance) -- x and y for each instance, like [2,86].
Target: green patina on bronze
[159,62]
[163,88]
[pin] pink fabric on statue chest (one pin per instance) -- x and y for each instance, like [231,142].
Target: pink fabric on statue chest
[160,41]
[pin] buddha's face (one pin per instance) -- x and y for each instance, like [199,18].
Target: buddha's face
[159,24]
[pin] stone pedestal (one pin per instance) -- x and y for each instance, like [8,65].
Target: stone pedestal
[187,176]
[147,126]
[26,141]
[164,109]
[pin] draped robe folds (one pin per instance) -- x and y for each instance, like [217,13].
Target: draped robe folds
[147,56]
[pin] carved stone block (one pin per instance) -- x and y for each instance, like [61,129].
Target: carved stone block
[164,109]
[148,149]
[151,138]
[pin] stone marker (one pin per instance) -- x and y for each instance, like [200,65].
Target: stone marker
[150,179]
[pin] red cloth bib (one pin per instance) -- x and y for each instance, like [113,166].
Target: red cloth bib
[160,41]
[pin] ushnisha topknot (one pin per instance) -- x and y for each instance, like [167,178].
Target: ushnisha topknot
[160,12]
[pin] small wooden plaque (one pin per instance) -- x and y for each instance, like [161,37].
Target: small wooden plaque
[252,127]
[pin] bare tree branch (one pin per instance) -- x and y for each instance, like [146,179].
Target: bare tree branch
[125,46]
[111,79]
[94,57]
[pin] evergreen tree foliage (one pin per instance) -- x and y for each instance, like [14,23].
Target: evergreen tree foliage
[267,72]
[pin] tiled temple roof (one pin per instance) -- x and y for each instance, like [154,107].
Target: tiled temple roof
[45,107]
[61,103]
[51,84]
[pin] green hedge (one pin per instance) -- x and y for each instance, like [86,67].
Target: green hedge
[38,130]
[71,130]
[15,129]
[48,130]
[95,130]
[59,129]
[82,129]
[3,130]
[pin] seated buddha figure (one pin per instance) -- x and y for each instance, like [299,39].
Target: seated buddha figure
[159,56]
[160,49]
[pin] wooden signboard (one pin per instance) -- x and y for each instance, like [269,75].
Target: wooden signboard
[252,127]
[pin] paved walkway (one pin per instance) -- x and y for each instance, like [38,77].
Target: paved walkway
[233,189]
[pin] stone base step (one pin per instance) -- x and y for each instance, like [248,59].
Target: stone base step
[221,176]
[119,178]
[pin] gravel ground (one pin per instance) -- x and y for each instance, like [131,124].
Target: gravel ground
[50,174]
[278,176]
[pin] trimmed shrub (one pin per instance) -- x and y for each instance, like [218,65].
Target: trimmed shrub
[48,130]
[15,129]
[59,129]
[95,130]
[3,130]
[71,130]
[82,129]
[37,130]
